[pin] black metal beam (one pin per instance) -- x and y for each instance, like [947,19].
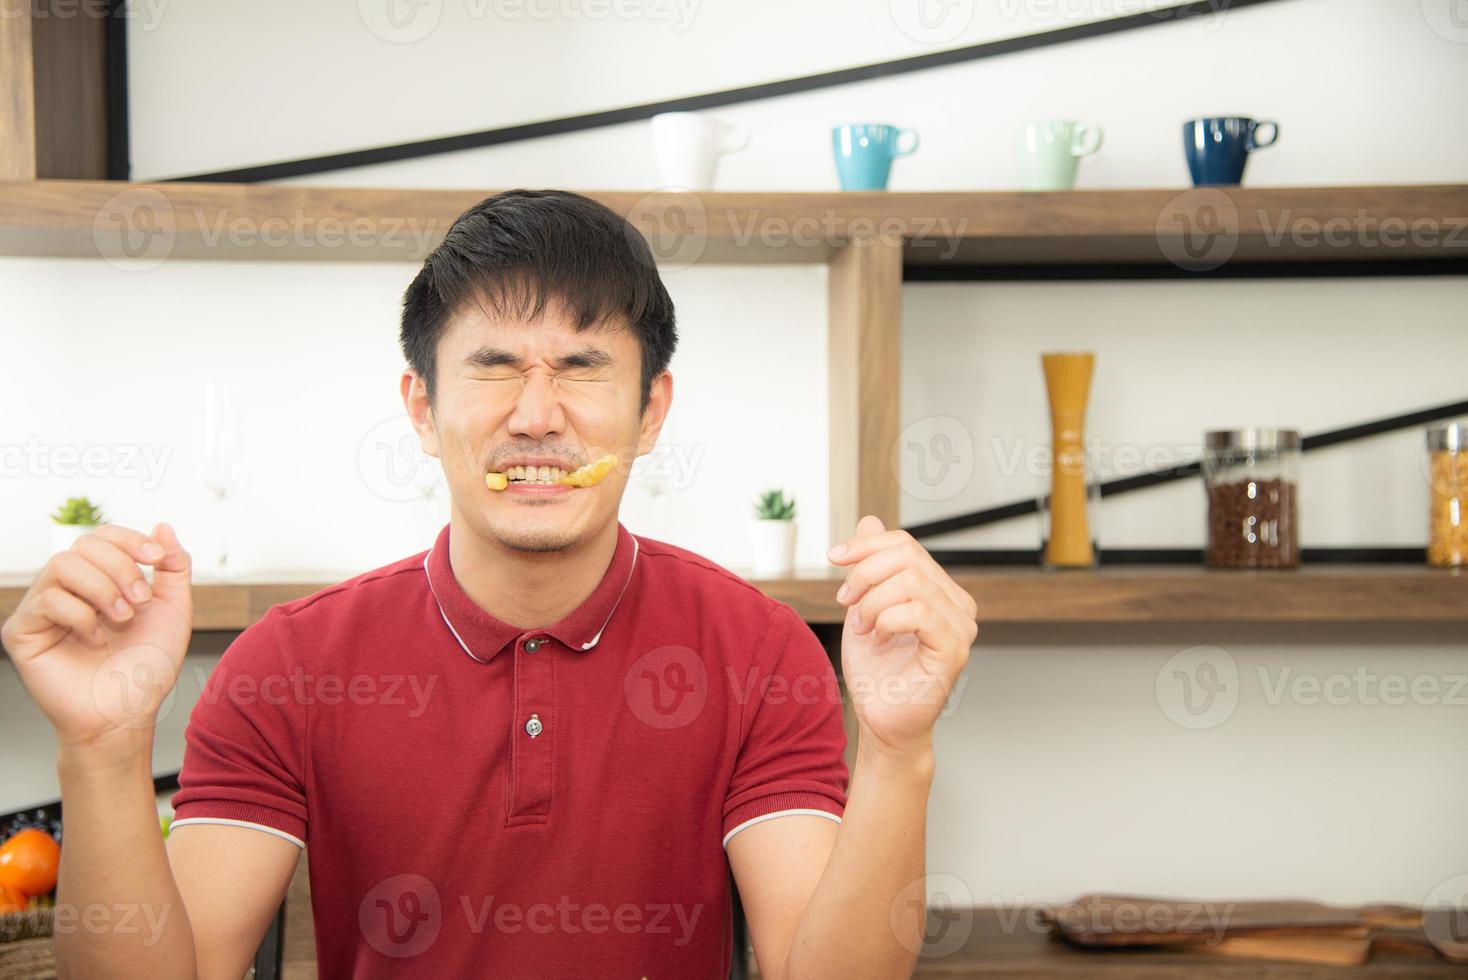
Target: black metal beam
[397,152]
[119,150]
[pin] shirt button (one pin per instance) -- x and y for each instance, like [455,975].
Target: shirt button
[533,727]
[533,644]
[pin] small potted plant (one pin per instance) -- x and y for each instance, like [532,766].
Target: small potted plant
[773,535]
[76,517]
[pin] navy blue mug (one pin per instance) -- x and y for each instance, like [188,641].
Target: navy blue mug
[1218,147]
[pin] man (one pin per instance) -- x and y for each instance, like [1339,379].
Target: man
[537,748]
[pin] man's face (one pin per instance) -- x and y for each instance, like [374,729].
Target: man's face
[513,389]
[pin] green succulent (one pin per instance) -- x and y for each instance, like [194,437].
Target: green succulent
[773,505]
[78,510]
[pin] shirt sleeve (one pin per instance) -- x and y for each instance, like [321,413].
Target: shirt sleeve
[244,747]
[792,758]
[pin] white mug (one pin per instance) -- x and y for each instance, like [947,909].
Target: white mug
[688,146]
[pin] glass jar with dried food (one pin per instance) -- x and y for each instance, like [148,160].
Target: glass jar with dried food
[1447,473]
[1252,479]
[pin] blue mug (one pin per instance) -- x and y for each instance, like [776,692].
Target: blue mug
[1218,147]
[865,151]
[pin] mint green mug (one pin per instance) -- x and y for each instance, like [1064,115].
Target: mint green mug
[1051,151]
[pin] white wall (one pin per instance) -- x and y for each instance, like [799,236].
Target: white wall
[1060,769]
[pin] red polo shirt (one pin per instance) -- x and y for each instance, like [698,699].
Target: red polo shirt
[482,800]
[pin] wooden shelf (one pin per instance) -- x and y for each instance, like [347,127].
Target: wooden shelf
[1119,594]
[1183,594]
[1004,943]
[84,218]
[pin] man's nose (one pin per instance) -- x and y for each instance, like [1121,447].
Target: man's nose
[538,409]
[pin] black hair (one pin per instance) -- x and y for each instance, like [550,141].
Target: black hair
[521,248]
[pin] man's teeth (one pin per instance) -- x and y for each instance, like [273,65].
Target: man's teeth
[534,474]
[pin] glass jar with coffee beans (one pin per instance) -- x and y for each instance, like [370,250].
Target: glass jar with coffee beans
[1252,479]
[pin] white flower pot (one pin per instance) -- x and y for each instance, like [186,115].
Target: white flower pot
[773,544]
[63,536]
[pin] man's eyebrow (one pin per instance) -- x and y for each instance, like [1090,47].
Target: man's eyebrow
[491,357]
[586,357]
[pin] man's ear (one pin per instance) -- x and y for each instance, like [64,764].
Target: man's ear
[420,410]
[660,400]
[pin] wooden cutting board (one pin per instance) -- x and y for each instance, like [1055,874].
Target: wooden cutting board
[1297,931]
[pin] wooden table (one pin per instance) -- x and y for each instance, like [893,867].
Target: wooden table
[1023,951]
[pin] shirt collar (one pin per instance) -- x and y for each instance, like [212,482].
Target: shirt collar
[482,636]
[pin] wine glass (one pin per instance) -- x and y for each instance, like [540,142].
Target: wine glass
[221,461]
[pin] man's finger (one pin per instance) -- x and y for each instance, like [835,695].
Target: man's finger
[117,564]
[906,583]
[32,629]
[56,606]
[136,544]
[172,572]
[72,571]
[937,632]
[905,552]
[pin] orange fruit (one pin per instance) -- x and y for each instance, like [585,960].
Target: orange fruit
[11,900]
[29,862]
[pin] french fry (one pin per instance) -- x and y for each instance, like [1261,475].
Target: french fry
[592,473]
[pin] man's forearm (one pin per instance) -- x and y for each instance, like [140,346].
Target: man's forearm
[118,910]
[866,916]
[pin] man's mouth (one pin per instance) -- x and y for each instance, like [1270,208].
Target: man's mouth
[535,475]
[552,476]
